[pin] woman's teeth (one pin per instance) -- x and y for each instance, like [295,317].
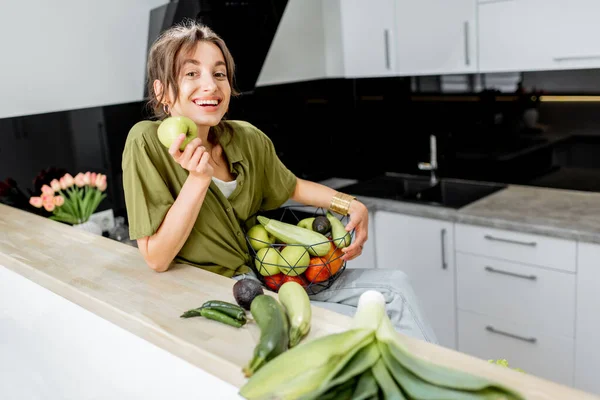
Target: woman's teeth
[207,102]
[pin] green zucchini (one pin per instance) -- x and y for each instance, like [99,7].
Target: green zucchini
[341,238]
[316,243]
[272,321]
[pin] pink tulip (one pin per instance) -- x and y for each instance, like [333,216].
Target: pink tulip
[79,180]
[59,201]
[93,179]
[63,183]
[36,202]
[47,189]
[101,182]
[49,206]
[47,198]
[69,181]
[55,185]
[87,178]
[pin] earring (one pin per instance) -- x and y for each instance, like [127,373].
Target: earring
[166,108]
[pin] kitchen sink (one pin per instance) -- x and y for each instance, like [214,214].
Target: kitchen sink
[447,192]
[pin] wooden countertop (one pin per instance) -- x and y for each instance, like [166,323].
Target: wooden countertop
[111,280]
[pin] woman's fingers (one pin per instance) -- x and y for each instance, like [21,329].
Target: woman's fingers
[174,149]
[195,159]
[203,165]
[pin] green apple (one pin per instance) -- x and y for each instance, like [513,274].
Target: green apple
[170,128]
[259,238]
[295,260]
[268,260]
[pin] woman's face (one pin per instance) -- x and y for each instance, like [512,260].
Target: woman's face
[204,90]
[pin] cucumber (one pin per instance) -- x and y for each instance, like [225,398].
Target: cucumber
[316,243]
[340,237]
[273,323]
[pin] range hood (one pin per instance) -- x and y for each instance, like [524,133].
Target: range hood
[272,41]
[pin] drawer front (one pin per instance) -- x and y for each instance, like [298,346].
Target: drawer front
[545,356]
[525,248]
[523,294]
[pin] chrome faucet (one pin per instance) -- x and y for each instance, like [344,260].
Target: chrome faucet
[432,164]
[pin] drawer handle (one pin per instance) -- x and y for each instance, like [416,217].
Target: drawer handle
[525,339]
[443,240]
[499,271]
[497,239]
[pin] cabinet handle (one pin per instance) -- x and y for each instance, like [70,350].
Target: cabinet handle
[499,271]
[512,335]
[497,239]
[575,58]
[386,41]
[443,240]
[466,31]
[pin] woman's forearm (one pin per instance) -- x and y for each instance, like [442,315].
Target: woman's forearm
[165,244]
[314,194]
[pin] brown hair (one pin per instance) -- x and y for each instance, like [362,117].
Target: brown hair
[164,63]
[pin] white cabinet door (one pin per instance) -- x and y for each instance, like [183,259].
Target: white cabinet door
[526,35]
[367,258]
[587,340]
[424,249]
[367,37]
[436,37]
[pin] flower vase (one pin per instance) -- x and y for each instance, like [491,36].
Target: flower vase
[89,226]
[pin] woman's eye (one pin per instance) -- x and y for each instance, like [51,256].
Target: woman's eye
[221,75]
[191,73]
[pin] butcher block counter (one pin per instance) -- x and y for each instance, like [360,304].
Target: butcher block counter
[111,281]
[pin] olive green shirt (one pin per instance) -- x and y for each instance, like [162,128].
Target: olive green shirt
[152,180]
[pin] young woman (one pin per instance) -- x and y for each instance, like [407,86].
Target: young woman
[189,206]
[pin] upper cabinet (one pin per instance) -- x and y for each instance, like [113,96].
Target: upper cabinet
[529,35]
[435,37]
[368,38]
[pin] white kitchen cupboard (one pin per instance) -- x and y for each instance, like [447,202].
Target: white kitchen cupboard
[368,38]
[516,299]
[528,35]
[435,37]
[423,249]
[367,259]
[587,348]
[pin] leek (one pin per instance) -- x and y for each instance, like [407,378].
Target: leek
[367,361]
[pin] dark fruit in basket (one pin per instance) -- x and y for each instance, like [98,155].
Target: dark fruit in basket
[322,225]
[245,290]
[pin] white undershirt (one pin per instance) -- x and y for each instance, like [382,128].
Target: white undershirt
[225,187]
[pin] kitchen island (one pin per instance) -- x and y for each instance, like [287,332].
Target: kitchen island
[110,282]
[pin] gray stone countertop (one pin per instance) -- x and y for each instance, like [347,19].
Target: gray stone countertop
[560,213]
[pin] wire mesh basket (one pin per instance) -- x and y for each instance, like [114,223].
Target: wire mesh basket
[275,262]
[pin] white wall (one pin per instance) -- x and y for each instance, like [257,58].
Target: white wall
[68,54]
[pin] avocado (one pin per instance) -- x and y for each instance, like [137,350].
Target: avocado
[245,290]
[321,224]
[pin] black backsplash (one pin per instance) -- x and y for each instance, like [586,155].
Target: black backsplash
[348,128]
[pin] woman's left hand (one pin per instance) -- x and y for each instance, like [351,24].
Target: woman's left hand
[359,219]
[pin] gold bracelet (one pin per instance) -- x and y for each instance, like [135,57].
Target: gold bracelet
[340,203]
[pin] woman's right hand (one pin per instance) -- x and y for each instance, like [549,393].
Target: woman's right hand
[193,158]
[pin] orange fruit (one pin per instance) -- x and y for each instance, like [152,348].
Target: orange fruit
[334,259]
[318,270]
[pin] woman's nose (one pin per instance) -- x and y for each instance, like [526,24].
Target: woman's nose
[207,83]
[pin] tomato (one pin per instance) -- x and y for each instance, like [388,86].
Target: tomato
[300,279]
[273,282]
[318,270]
